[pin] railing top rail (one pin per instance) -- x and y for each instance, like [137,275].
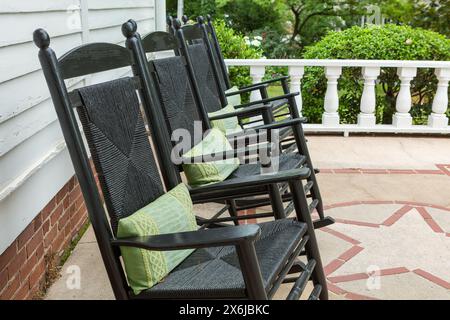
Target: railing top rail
[338,63]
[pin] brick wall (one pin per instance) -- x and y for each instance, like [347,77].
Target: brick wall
[23,265]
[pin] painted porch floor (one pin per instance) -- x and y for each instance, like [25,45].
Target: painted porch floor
[390,197]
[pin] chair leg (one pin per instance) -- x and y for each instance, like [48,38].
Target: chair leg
[311,248]
[315,192]
[251,271]
[276,202]
[232,210]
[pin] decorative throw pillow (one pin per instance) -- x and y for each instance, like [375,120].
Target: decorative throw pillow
[170,213]
[214,171]
[235,99]
[227,125]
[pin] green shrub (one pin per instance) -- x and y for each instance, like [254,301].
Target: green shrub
[235,46]
[250,15]
[388,42]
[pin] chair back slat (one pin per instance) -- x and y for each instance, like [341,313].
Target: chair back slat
[92,58]
[159,41]
[192,32]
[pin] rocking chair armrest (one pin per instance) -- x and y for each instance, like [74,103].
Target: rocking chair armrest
[280,124]
[217,237]
[235,153]
[281,79]
[255,180]
[268,100]
[248,89]
[242,112]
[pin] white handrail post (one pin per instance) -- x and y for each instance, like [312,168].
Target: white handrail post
[296,75]
[438,119]
[331,104]
[256,73]
[402,118]
[366,118]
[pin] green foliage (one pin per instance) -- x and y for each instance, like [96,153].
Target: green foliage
[250,15]
[244,15]
[432,15]
[388,42]
[194,8]
[235,46]
[277,45]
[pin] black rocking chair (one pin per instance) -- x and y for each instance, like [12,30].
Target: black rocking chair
[181,107]
[195,47]
[245,262]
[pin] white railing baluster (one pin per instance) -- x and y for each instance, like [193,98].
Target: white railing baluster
[368,101]
[402,118]
[438,119]
[296,75]
[438,122]
[331,104]
[256,73]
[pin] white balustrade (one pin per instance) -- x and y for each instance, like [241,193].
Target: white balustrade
[296,75]
[368,101]
[256,73]
[331,103]
[438,119]
[402,120]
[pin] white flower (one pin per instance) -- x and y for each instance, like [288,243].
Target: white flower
[408,42]
[255,43]
[258,38]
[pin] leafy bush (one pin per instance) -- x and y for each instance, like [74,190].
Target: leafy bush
[235,46]
[388,42]
[249,15]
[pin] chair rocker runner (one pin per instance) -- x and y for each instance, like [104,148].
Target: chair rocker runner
[181,114]
[248,261]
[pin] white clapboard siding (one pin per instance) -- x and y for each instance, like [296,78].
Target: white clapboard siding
[116,17]
[57,23]
[34,162]
[20,59]
[21,6]
[120,4]
[18,158]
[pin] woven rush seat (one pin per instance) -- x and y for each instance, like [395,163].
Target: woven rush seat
[287,162]
[215,272]
[276,104]
[283,133]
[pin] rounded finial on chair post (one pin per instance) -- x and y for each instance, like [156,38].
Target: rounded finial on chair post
[185,19]
[177,24]
[41,38]
[208,18]
[200,20]
[129,28]
[169,20]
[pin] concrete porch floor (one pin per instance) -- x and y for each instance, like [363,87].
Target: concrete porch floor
[390,197]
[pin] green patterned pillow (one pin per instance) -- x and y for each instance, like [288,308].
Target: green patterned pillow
[170,213]
[228,125]
[235,99]
[209,172]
